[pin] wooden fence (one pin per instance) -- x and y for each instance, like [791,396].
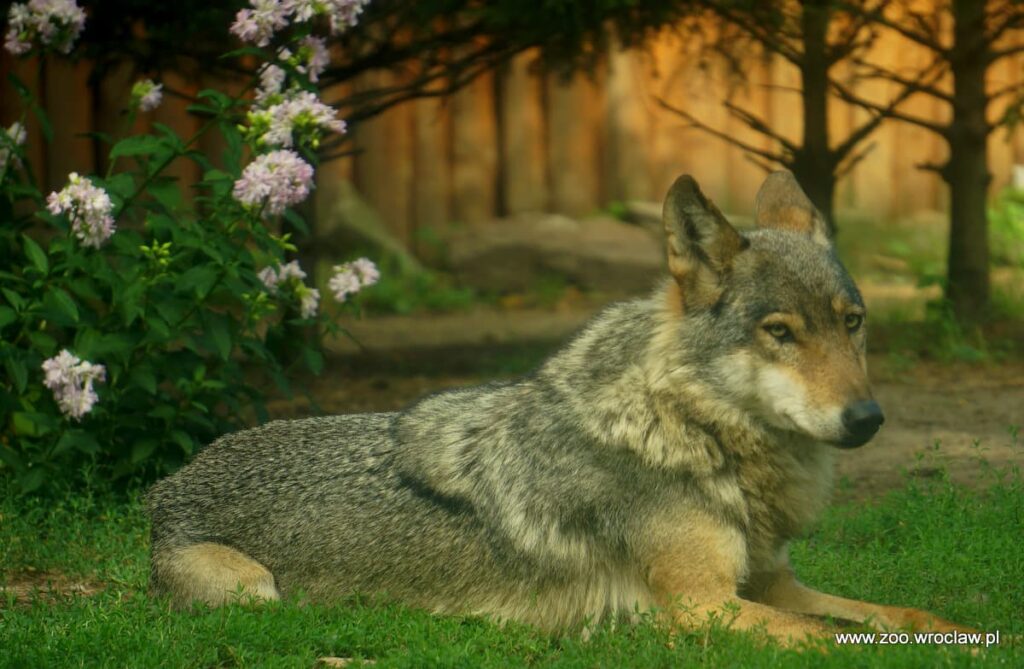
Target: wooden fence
[519,139]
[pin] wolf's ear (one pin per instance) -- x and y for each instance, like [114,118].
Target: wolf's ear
[701,243]
[783,205]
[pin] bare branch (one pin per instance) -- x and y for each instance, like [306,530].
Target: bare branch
[938,168]
[916,85]
[772,39]
[760,163]
[848,95]
[758,125]
[849,40]
[1012,19]
[844,168]
[1012,89]
[923,35]
[925,78]
[999,54]
[780,158]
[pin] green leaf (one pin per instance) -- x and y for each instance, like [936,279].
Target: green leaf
[43,342]
[35,254]
[121,186]
[232,156]
[143,377]
[199,280]
[32,479]
[131,302]
[7,316]
[85,287]
[182,439]
[158,327]
[142,449]
[9,457]
[172,309]
[219,332]
[14,299]
[64,303]
[79,440]
[165,191]
[136,145]
[32,424]
[164,411]
[18,372]
[314,359]
[297,221]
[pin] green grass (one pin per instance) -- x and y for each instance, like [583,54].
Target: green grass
[931,545]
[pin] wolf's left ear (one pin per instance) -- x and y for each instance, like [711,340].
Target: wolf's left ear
[783,205]
[701,242]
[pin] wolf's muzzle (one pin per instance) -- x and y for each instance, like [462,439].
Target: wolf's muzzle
[861,421]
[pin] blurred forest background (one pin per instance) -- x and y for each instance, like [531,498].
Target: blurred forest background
[463,114]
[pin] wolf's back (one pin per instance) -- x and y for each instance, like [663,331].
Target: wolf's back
[319,504]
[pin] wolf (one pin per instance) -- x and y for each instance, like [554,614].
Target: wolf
[662,460]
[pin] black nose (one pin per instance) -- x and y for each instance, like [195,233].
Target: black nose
[861,421]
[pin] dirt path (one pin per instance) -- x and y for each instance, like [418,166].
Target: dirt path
[966,410]
[940,415]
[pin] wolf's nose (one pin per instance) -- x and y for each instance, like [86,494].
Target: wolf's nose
[861,421]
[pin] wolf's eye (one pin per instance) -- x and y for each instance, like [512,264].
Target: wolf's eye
[853,322]
[779,331]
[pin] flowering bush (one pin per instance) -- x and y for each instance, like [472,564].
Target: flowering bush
[134,323]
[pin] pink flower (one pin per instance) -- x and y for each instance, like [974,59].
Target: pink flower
[147,95]
[344,14]
[14,137]
[54,23]
[366,270]
[287,273]
[352,277]
[314,56]
[71,378]
[271,82]
[309,301]
[274,181]
[258,25]
[291,270]
[269,278]
[88,208]
[301,113]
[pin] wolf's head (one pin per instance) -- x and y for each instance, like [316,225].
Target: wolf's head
[773,319]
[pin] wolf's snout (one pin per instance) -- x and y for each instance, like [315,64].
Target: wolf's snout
[861,421]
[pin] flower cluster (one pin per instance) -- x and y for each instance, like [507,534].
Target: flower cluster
[272,78]
[55,23]
[16,136]
[311,59]
[71,378]
[258,23]
[146,95]
[352,277]
[274,181]
[272,277]
[299,115]
[89,208]
[290,274]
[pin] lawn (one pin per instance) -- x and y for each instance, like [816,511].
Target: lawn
[933,545]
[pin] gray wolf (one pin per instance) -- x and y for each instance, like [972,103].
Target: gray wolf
[663,459]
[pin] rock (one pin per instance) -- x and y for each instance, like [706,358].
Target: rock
[347,220]
[599,253]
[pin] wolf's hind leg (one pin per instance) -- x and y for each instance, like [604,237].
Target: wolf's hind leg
[210,573]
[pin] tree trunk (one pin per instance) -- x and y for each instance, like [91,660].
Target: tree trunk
[967,171]
[813,165]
